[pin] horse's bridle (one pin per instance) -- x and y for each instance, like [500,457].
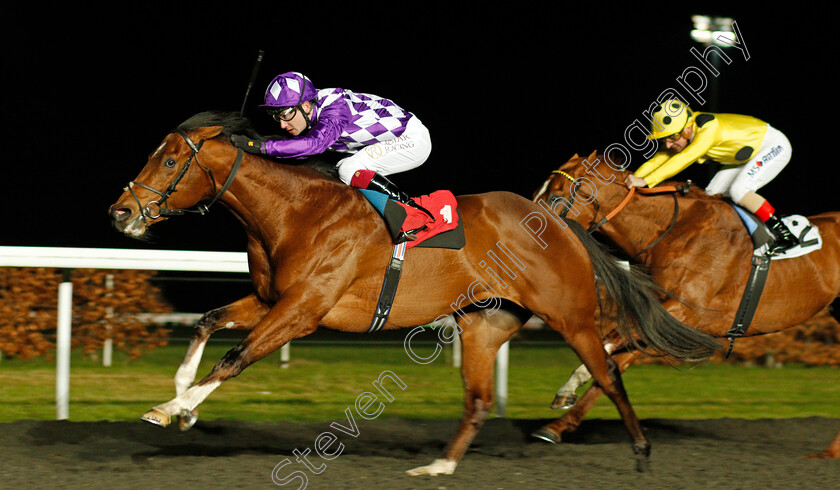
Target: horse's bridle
[593,225]
[201,208]
[569,204]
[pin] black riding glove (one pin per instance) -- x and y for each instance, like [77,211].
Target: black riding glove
[251,145]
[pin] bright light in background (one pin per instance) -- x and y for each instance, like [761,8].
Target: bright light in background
[711,30]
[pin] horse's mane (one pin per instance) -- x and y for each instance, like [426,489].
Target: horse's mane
[232,123]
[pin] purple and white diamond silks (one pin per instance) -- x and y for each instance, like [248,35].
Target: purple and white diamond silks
[341,120]
[372,118]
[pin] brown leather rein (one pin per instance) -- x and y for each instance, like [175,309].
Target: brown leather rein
[644,191]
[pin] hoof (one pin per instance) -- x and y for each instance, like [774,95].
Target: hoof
[642,451]
[642,464]
[438,467]
[187,419]
[155,416]
[547,435]
[563,401]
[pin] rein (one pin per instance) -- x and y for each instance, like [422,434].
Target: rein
[201,208]
[644,191]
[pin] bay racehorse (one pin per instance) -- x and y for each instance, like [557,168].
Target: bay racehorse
[696,247]
[317,252]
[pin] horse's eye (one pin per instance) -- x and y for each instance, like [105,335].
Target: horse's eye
[169,163]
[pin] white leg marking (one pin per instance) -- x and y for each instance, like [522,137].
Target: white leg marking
[186,371]
[438,467]
[190,399]
[579,377]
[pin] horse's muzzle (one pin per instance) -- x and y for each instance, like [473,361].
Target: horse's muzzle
[127,221]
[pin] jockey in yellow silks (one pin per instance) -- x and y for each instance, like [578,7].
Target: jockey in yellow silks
[750,151]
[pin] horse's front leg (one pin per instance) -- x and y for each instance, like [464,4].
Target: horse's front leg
[566,396]
[284,322]
[239,315]
[571,420]
[607,375]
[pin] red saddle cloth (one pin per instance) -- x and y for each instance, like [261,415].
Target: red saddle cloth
[442,205]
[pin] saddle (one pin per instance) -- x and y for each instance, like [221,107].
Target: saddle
[446,230]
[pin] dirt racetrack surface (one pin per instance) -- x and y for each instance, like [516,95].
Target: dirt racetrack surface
[722,453]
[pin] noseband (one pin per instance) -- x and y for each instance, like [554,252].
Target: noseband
[201,208]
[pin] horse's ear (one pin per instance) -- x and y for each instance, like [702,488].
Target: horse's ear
[574,156]
[209,132]
[593,155]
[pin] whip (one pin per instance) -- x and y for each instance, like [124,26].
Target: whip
[253,79]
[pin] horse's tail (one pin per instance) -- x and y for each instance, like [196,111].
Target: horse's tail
[642,321]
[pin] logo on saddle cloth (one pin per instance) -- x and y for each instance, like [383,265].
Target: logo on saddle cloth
[445,231]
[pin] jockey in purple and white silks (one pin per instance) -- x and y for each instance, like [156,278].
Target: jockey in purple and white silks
[378,136]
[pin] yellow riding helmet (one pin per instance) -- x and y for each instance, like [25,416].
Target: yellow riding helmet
[671,117]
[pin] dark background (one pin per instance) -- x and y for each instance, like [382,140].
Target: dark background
[508,93]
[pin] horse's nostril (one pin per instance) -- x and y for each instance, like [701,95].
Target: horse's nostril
[120,214]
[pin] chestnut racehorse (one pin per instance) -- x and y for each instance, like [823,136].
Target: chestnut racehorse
[317,253]
[696,247]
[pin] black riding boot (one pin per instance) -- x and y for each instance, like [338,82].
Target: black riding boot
[783,238]
[380,183]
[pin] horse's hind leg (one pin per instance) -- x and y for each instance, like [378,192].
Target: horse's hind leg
[239,315]
[586,342]
[833,450]
[571,420]
[566,396]
[834,309]
[481,338]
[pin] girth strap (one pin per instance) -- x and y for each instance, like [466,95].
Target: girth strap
[389,288]
[749,301]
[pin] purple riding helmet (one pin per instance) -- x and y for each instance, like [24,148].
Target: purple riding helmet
[289,89]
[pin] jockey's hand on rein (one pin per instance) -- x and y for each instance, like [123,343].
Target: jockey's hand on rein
[251,145]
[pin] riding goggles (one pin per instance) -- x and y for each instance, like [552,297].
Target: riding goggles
[283,114]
